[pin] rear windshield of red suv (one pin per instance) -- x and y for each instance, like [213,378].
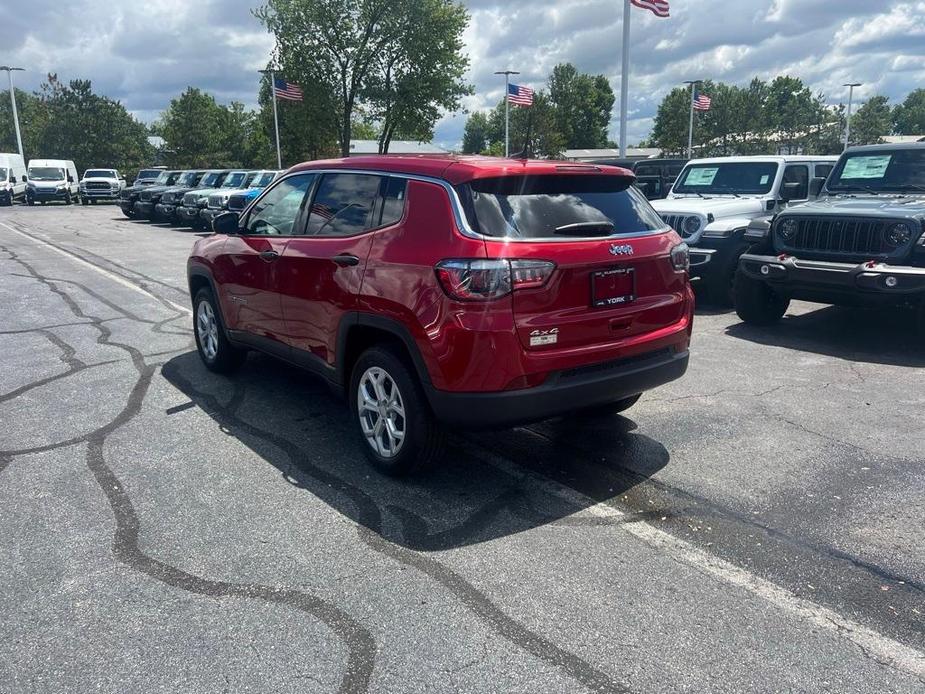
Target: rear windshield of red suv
[557,206]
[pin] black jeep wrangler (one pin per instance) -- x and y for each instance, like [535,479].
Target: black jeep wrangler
[860,244]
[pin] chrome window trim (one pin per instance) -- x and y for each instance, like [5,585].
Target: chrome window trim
[462,224]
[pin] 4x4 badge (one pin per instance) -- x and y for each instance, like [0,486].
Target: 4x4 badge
[617,249]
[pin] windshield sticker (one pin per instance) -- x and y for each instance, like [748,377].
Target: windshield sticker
[764,180]
[701,176]
[866,167]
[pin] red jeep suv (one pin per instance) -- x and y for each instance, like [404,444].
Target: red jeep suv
[465,291]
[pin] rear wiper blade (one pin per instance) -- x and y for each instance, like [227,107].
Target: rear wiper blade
[577,228]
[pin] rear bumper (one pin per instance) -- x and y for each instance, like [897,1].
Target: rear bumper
[561,393]
[800,278]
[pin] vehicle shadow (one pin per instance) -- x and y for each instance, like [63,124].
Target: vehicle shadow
[886,336]
[477,493]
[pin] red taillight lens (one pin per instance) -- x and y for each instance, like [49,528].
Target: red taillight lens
[487,280]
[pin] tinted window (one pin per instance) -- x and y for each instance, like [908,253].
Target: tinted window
[393,201]
[276,212]
[886,170]
[823,170]
[557,206]
[343,204]
[751,178]
[800,175]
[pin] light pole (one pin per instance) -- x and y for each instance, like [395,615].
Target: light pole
[690,127]
[9,74]
[507,106]
[271,72]
[851,86]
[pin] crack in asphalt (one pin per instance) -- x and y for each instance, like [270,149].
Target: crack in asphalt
[359,641]
[370,532]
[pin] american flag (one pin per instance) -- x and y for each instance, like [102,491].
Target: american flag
[520,96]
[701,102]
[657,7]
[286,90]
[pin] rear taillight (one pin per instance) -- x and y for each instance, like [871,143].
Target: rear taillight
[681,257]
[487,280]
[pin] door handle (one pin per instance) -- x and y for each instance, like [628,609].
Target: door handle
[269,255]
[346,260]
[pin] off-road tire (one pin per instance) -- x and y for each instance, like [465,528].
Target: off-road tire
[756,303]
[424,437]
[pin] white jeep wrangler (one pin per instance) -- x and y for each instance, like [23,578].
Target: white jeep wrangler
[713,201]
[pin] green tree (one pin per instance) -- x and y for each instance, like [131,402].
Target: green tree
[671,122]
[582,105]
[475,134]
[909,116]
[872,121]
[193,128]
[417,78]
[92,130]
[532,128]
[33,118]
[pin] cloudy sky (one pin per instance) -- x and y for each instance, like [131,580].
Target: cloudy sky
[145,52]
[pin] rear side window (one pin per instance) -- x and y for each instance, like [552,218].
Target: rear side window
[556,206]
[343,205]
[393,202]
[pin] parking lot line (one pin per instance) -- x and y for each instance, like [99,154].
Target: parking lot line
[874,644]
[96,268]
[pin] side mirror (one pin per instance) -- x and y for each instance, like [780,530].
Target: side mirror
[790,191]
[226,223]
[815,187]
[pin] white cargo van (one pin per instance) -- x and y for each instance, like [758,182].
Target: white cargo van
[12,178]
[52,179]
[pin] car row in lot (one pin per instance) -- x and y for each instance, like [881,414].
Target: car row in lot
[839,230]
[191,197]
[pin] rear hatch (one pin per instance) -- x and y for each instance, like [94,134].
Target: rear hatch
[613,277]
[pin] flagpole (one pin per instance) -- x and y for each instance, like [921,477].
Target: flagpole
[690,128]
[624,80]
[507,107]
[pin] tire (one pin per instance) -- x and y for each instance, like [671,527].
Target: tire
[607,410]
[216,352]
[422,439]
[756,303]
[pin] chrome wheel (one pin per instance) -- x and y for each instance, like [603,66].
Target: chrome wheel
[381,411]
[207,328]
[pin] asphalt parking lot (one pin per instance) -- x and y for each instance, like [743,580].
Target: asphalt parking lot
[756,526]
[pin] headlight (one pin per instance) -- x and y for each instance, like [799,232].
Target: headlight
[787,229]
[898,234]
[690,226]
[681,257]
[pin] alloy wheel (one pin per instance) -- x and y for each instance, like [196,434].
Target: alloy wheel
[381,411]
[208,330]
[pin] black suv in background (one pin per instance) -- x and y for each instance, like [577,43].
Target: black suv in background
[654,177]
[130,196]
[860,244]
[165,206]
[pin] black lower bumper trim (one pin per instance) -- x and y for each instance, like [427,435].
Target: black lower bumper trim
[563,392]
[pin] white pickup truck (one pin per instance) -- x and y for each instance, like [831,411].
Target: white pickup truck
[100,184]
[713,201]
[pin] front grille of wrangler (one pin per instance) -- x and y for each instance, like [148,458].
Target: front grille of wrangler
[676,222]
[841,235]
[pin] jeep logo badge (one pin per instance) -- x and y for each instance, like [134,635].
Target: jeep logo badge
[617,249]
